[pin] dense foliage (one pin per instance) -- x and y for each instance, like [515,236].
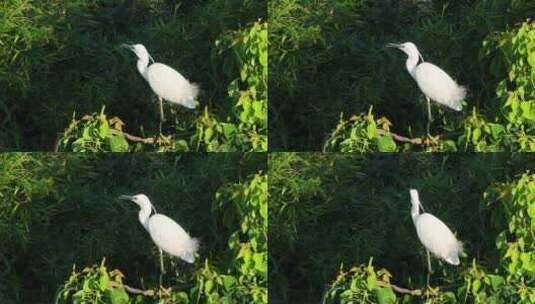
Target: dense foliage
[328,60]
[59,215]
[61,63]
[340,227]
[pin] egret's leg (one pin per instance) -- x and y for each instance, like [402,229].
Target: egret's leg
[162,117]
[161,261]
[430,270]
[162,272]
[429,116]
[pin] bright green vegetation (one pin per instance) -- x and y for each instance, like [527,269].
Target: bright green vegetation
[70,86]
[334,85]
[59,216]
[340,227]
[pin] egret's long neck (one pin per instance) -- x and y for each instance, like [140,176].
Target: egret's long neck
[415,201]
[415,212]
[144,215]
[411,64]
[142,65]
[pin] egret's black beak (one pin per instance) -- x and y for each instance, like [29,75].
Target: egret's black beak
[126,197]
[393,45]
[128,46]
[421,206]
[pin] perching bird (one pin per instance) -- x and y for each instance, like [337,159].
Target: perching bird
[165,232]
[432,81]
[165,81]
[434,235]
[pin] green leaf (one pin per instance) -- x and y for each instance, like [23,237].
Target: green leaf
[496,130]
[496,282]
[118,296]
[476,135]
[529,115]
[264,211]
[260,262]
[103,281]
[371,130]
[385,295]
[229,282]
[118,143]
[264,59]
[371,281]
[181,146]
[476,284]
[531,211]
[85,133]
[531,59]
[386,144]
[208,133]
[103,129]
[208,286]
[229,130]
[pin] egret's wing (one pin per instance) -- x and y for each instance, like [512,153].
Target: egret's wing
[172,86]
[171,238]
[438,238]
[438,86]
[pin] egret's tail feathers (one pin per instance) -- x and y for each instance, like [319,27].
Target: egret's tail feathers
[458,95]
[189,254]
[453,260]
[195,244]
[194,90]
[460,246]
[191,101]
[188,257]
[453,257]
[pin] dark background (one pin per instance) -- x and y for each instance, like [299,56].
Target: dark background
[60,210]
[328,57]
[60,58]
[328,210]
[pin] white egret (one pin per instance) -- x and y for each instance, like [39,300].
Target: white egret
[165,81]
[434,235]
[165,232]
[436,84]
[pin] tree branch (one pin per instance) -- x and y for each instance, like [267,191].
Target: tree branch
[415,292]
[130,137]
[396,137]
[418,292]
[132,289]
[148,140]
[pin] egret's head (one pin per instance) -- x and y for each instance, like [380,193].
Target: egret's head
[140,199]
[408,48]
[138,49]
[415,199]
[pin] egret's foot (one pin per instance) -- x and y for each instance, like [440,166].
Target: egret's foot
[162,139]
[164,292]
[430,140]
[431,292]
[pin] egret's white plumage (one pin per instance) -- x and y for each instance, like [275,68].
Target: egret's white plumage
[165,81]
[433,233]
[171,238]
[172,86]
[165,232]
[436,84]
